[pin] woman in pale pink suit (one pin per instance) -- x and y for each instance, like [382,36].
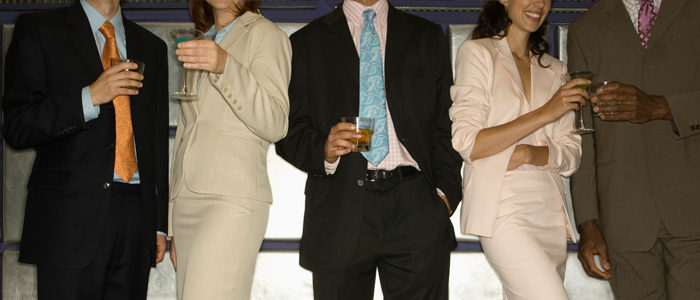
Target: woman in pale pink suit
[512,123]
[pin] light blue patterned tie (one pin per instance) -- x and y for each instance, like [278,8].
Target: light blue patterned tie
[372,95]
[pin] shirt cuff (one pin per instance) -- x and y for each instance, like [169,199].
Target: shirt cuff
[440,193]
[90,112]
[162,233]
[330,167]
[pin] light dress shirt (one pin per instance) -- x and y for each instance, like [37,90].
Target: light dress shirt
[398,155]
[633,10]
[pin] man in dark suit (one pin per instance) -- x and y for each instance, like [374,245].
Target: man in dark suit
[98,191]
[389,208]
[636,194]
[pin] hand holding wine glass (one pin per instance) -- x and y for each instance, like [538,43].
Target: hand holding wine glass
[568,97]
[569,77]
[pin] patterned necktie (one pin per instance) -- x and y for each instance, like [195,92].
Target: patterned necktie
[125,156]
[372,94]
[647,18]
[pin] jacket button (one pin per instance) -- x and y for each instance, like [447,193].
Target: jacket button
[229,95]
[226,90]
[105,185]
[110,146]
[360,182]
[240,108]
[235,102]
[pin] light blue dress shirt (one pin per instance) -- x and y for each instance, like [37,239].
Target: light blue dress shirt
[96,20]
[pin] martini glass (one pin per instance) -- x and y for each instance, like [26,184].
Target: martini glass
[186,91]
[580,128]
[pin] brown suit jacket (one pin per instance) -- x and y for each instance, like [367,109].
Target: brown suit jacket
[633,176]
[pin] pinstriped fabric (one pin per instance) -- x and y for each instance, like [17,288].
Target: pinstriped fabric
[125,155]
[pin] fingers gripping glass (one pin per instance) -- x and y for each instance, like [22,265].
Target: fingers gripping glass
[580,127]
[593,91]
[186,91]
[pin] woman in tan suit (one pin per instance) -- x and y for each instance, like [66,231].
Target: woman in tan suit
[512,123]
[220,191]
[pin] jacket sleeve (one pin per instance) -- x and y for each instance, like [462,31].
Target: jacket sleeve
[564,146]
[304,145]
[32,115]
[446,162]
[583,183]
[470,95]
[162,128]
[258,94]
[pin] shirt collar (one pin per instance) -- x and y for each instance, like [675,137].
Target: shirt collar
[96,20]
[351,7]
[212,34]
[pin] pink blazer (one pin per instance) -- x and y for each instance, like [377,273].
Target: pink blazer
[488,92]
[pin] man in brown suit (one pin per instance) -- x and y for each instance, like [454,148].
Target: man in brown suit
[637,192]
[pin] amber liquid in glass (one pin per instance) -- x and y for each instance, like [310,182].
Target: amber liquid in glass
[364,143]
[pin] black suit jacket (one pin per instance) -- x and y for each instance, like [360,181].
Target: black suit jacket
[325,87]
[52,56]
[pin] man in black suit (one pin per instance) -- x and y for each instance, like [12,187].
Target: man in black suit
[361,214]
[90,227]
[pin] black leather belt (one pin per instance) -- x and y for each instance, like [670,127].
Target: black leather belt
[400,172]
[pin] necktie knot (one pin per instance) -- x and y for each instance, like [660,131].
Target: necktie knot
[369,15]
[107,29]
[643,2]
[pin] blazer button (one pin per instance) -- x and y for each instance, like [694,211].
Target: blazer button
[235,102]
[110,146]
[225,89]
[240,108]
[229,95]
[360,182]
[105,185]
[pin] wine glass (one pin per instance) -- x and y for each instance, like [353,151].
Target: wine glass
[186,92]
[580,128]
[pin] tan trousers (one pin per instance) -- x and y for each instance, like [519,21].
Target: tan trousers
[217,239]
[670,270]
[528,247]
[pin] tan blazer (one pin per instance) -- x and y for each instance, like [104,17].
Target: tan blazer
[488,92]
[223,136]
[633,176]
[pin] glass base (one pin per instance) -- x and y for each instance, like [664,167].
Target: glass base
[184,96]
[583,131]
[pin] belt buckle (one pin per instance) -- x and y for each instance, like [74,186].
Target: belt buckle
[379,178]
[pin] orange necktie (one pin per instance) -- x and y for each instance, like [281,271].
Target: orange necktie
[125,157]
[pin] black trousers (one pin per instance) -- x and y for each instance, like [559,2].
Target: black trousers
[121,266]
[407,236]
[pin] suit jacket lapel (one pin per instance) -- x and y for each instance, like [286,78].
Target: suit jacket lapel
[667,14]
[508,63]
[619,22]
[399,34]
[83,38]
[338,37]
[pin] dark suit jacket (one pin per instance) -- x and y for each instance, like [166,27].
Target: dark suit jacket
[633,176]
[51,58]
[325,87]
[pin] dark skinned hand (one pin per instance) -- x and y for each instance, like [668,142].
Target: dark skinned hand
[622,102]
[593,242]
